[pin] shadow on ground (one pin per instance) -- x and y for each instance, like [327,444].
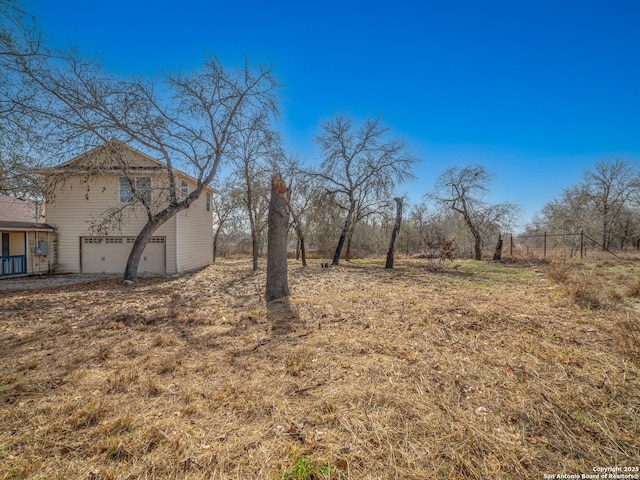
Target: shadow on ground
[281,316]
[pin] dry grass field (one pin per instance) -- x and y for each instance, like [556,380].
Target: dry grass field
[478,370]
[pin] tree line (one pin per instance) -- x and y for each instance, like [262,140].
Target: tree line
[604,205]
[219,124]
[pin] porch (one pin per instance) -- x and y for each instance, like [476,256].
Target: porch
[13,265]
[24,244]
[24,252]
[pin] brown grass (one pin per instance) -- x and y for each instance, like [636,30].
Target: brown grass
[481,370]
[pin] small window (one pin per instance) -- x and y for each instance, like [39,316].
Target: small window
[5,244]
[184,188]
[208,199]
[112,240]
[125,191]
[143,186]
[143,189]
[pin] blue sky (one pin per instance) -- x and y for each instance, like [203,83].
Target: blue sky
[536,91]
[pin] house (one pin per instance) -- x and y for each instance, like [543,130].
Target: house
[100,185]
[25,239]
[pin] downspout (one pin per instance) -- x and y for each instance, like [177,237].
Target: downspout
[177,249]
[36,245]
[51,251]
[26,253]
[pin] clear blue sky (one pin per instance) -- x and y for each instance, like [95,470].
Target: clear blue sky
[535,90]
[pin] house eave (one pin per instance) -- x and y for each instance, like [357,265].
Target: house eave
[22,226]
[87,171]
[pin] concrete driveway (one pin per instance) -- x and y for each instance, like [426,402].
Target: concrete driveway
[39,282]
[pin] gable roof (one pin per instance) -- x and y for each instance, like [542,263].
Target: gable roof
[20,214]
[115,157]
[110,156]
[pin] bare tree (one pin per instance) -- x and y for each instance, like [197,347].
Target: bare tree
[226,204]
[569,214]
[188,120]
[497,255]
[611,186]
[303,197]
[253,153]
[360,168]
[604,205]
[20,42]
[18,175]
[277,276]
[462,190]
[626,226]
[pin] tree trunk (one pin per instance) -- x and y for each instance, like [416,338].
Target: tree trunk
[343,235]
[277,279]
[303,251]
[300,248]
[478,246]
[254,248]
[215,242]
[472,228]
[338,252]
[347,253]
[394,233]
[153,223]
[498,253]
[605,229]
[131,270]
[252,223]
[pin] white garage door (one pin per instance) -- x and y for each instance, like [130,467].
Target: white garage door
[109,254]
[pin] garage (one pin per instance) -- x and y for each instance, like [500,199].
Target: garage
[110,254]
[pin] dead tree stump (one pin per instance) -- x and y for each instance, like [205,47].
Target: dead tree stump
[498,253]
[394,234]
[278,225]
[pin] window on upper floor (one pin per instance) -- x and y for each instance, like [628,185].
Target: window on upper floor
[184,189]
[142,188]
[208,201]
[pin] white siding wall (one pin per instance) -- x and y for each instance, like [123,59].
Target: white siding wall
[39,264]
[78,200]
[16,243]
[195,235]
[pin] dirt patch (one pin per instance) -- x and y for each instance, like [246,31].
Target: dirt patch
[479,371]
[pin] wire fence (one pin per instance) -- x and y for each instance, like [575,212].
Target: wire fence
[553,245]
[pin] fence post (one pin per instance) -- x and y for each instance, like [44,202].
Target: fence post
[544,250]
[511,246]
[581,243]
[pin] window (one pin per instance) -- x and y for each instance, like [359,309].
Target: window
[184,189]
[5,244]
[143,189]
[132,240]
[208,197]
[143,186]
[125,190]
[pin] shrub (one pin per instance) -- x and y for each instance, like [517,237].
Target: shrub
[558,272]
